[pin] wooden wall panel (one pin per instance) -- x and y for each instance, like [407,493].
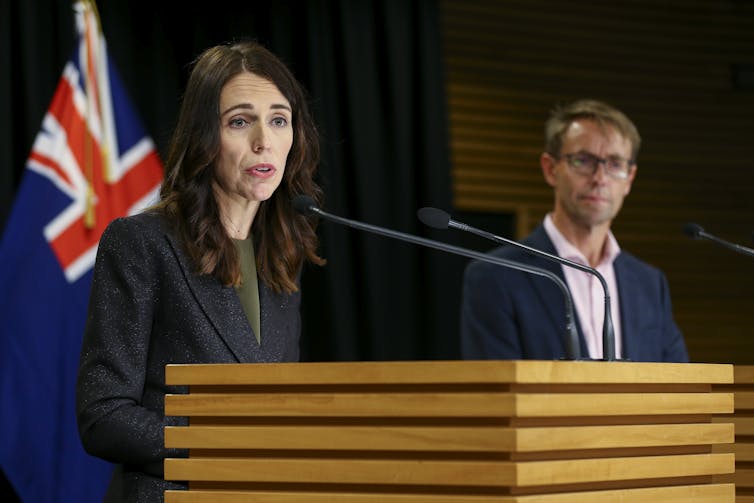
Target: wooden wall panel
[670,66]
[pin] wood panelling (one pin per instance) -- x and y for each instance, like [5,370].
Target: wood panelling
[669,65]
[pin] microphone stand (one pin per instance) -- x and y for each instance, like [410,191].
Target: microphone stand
[436,218]
[307,206]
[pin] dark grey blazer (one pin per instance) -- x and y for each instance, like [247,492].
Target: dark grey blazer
[148,309]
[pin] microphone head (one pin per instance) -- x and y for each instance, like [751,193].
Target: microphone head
[304,204]
[433,217]
[693,231]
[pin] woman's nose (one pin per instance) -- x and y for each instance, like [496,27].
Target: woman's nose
[259,138]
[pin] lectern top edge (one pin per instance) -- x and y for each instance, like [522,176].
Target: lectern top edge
[449,372]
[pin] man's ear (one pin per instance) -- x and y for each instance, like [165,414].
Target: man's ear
[631,176]
[547,163]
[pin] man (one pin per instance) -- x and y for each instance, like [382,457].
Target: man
[590,162]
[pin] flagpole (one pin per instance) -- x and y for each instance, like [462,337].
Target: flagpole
[107,142]
[90,34]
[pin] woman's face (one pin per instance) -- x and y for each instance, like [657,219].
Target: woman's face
[256,134]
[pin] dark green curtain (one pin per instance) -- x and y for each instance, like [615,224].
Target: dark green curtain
[375,77]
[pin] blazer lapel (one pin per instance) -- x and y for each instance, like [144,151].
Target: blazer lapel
[630,300]
[221,306]
[550,294]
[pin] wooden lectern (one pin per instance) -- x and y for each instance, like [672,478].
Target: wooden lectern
[451,431]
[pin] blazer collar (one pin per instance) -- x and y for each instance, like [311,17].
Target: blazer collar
[221,306]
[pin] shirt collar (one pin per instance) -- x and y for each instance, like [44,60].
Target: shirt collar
[567,250]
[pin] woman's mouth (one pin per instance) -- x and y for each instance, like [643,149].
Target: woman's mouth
[263,170]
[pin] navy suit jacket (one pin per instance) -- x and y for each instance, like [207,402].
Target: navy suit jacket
[508,314]
[149,308]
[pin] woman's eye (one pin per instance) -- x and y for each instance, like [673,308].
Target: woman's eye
[280,121]
[237,122]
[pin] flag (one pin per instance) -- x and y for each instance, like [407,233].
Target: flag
[90,162]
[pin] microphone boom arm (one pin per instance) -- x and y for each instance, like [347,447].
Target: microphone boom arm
[572,339]
[727,244]
[608,331]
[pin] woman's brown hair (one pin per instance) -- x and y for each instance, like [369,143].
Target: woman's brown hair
[283,239]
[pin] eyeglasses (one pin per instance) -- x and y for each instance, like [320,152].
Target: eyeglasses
[584,163]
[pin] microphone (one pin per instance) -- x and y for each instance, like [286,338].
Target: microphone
[434,217]
[306,206]
[695,231]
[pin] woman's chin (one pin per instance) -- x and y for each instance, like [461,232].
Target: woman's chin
[261,195]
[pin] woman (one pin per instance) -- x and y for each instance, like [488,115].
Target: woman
[211,273]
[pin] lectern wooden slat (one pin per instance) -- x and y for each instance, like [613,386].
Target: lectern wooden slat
[476,431]
[743,419]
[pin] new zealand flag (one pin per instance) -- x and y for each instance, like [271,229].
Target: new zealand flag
[91,162]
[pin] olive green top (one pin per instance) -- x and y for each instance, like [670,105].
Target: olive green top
[248,291]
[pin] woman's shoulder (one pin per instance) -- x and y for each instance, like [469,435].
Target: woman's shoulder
[141,227]
[147,222]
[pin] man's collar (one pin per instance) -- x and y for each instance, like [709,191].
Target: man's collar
[567,250]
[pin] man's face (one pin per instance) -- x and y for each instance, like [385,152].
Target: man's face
[588,199]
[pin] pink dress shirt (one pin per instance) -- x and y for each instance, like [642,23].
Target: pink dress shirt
[586,289]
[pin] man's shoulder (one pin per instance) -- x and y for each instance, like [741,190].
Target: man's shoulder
[510,252]
[629,261]
[537,239]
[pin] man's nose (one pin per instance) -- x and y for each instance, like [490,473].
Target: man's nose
[600,170]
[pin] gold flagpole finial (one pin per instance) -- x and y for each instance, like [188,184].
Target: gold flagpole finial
[89,216]
[90,31]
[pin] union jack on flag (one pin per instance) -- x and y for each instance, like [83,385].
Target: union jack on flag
[90,163]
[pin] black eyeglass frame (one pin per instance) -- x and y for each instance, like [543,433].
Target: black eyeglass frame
[593,163]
